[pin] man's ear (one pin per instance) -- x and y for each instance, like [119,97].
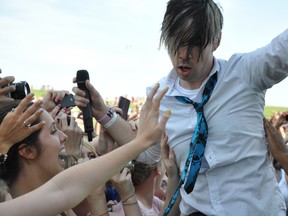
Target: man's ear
[27,152]
[217,41]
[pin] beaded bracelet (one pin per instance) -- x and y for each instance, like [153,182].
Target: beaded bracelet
[3,158]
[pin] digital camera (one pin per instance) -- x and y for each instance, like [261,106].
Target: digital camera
[22,89]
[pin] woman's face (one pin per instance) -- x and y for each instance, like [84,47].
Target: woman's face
[51,139]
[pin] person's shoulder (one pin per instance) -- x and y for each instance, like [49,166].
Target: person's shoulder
[232,61]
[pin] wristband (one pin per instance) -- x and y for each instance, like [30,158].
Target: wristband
[123,201]
[111,121]
[3,158]
[107,117]
[132,203]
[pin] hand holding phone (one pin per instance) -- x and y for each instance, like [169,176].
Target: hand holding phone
[124,104]
[67,101]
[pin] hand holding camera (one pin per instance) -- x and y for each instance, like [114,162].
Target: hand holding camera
[10,91]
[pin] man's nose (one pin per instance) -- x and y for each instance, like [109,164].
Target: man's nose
[182,53]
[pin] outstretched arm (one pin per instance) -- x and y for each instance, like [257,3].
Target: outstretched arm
[120,130]
[71,186]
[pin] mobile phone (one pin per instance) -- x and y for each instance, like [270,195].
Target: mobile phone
[67,101]
[124,104]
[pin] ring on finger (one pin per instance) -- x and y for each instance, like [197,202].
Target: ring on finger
[27,124]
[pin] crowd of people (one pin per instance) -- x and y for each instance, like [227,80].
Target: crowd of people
[198,145]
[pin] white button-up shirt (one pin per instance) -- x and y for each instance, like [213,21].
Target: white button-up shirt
[237,178]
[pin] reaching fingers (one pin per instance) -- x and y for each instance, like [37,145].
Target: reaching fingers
[133,125]
[6,80]
[153,92]
[7,89]
[164,146]
[33,108]
[55,111]
[153,102]
[29,120]
[118,110]
[23,104]
[79,97]
[133,117]
[37,126]
[159,97]
[269,128]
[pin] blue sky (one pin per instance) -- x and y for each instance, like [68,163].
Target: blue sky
[45,42]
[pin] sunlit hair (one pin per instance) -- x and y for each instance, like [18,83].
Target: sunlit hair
[192,23]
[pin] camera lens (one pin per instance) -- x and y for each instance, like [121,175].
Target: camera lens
[22,90]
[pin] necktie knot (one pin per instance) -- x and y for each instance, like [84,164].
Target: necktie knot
[198,107]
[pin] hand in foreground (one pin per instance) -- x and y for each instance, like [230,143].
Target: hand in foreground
[276,144]
[19,119]
[51,98]
[168,158]
[150,129]
[273,136]
[5,88]
[68,125]
[132,120]
[123,183]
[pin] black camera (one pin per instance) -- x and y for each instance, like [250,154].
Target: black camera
[22,89]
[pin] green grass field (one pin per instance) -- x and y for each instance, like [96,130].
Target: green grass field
[269,110]
[38,93]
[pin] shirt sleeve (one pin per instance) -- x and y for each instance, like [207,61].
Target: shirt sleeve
[268,65]
[151,155]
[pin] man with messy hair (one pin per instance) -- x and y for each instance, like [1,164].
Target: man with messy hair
[216,127]
[236,175]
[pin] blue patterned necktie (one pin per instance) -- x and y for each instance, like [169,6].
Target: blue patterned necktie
[197,144]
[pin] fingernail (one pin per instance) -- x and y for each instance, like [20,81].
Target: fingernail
[168,112]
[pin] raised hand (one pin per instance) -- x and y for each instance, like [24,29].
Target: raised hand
[150,129]
[51,97]
[20,120]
